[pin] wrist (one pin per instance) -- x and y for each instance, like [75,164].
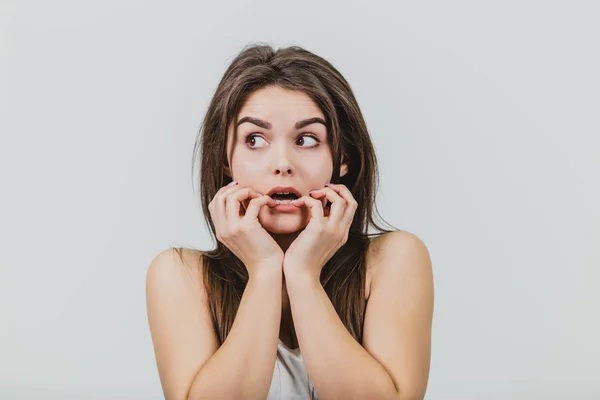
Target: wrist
[301,275]
[266,272]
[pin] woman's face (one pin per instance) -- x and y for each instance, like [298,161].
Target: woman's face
[274,147]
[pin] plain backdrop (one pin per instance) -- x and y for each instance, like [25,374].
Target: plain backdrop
[485,121]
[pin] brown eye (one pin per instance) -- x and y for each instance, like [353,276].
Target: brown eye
[301,140]
[251,140]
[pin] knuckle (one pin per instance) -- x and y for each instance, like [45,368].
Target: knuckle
[230,198]
[236,195]
[256,200]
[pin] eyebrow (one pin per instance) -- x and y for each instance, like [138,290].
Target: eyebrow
[267,125]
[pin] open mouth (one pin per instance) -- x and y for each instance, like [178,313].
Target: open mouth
[284,198]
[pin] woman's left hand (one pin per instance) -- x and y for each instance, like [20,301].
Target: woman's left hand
[324,235]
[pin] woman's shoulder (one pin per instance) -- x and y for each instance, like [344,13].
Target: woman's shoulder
[177,264]
[377,248]
[191,258]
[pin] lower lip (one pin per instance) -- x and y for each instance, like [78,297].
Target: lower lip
[285,208]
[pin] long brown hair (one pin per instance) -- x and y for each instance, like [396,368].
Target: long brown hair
[255,67]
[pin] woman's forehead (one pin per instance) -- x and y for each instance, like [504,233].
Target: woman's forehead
[273,103]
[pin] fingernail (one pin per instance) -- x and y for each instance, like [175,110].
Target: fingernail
[329,184]
[233,183]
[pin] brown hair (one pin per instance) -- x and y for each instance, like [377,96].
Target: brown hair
[255,67]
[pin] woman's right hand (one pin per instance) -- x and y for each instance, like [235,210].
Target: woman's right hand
[243,234]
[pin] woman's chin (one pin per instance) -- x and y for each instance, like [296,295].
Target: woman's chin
[282,223]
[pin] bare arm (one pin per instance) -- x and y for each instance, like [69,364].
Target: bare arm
[190,363]
[392,363]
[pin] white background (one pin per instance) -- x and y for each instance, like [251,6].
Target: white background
[485,120]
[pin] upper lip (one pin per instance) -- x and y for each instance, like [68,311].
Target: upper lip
[284,189]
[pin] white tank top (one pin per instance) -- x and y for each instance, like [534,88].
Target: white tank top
[290,379]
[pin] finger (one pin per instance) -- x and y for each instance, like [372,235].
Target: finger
[221,200]
[245,201]
[233,202]
[351,204]
[317,194]
[256,204]
[315,207]
[218,197]
[338,204]
[226,188]
[323,198]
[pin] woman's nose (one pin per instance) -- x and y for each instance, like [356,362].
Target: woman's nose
[282,160]
[283,169]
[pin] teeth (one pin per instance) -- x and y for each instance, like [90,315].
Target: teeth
[287,201]
[283,193]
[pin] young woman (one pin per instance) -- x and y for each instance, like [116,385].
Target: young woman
[298,299]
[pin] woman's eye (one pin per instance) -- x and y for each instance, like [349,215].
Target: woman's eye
[251,140]
[303,140]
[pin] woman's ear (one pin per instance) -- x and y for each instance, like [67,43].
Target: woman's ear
[343,168]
